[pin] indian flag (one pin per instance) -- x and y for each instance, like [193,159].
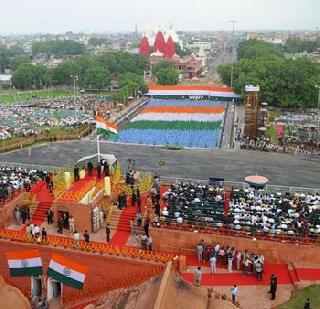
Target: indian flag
[24,263]
[66,271]
[106,128]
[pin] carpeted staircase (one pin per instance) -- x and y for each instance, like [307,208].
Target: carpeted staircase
[45,199]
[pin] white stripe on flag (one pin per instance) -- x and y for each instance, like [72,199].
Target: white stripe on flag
[60,269]
[24,263]
[101,125]
[179,117]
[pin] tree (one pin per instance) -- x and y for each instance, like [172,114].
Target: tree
[254,49]
[16,61]
[168,76]
[61,75]
[96,78]
[22,78]
[58,48]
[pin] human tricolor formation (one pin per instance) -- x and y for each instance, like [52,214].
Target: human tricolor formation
[29,263]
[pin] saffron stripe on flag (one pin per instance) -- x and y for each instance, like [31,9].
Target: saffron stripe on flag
[21,255]
[67,263]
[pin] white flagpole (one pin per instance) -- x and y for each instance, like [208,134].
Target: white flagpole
[98,148]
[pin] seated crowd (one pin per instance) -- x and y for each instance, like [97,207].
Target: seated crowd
[233,259]
[16,178]
[253,212]
[290,146]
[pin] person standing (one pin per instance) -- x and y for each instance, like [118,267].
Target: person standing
[76,238]
[44,234]
[230,259]
[258,270]
[90,168]
[132,227]
[200,252]
[197,276]
[18,215]
[307,304]
[234,293]
[106,169]
[213,268]
[149,243]
[99,170]
[86,236]
[76,172]
[133,198]
[71,224]
[108,232]
[273,286]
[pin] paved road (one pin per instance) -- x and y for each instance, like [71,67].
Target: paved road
[233,165]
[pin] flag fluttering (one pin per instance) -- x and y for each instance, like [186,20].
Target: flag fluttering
[24,263]
[67,271]
[106,128]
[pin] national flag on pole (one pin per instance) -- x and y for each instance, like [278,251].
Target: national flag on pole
[24,263]
[66,271]
[106,128]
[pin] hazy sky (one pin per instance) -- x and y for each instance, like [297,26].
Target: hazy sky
[29,16]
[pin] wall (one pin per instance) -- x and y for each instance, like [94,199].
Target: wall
[185,242]
[7,215]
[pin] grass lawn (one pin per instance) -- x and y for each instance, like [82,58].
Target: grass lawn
[9,96]
[299,297]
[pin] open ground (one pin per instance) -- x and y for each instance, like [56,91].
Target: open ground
[232,165]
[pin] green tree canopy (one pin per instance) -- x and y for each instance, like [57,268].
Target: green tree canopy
[16,61]
[96,78]
[168,76]
[58,48]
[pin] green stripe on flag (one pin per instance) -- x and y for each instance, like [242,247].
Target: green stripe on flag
[26,271]
[64,279]
[110,134]
[172,125]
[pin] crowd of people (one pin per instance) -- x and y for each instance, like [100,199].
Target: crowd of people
[233,259]
[13,179]
[251,211]
[289,146]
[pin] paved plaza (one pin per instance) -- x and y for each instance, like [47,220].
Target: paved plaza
[232,165]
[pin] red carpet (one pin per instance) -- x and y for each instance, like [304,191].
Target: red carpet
[45,199]
[78,185]
[312,274]
[121,236]
[226,279]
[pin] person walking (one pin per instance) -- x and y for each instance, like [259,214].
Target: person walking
[213,262]
[149,243]
[197,276]
[234,293]
[108,232]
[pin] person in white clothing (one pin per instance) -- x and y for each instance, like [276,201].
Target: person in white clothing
[213,268]
[76,238]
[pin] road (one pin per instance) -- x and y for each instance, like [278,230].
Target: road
[233,165]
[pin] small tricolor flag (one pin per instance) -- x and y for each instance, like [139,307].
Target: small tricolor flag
[24,263]
[66,271]
[106,128]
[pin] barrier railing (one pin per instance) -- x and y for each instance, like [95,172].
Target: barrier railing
[93,247]
[296,237]
[96,291]
[242,185]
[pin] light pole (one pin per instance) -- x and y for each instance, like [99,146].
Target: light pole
[232,52]
[318,129]
[75,79]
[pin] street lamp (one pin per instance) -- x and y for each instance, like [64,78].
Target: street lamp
[75,79]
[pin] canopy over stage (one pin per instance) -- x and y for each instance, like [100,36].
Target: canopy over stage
[256,181]
[110,158]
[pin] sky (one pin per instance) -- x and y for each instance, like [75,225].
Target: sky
[59,16]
